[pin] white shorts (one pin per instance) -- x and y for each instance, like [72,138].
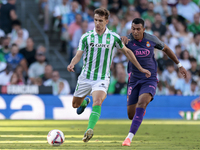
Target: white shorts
[85,87]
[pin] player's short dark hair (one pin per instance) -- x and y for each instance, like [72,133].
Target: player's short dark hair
[138,21]
[102,12]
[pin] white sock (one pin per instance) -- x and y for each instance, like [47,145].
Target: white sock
[130,136]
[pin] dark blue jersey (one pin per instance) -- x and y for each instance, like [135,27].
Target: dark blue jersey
[144,52]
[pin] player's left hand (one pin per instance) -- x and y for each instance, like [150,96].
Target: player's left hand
[124,39]
[183,71]
[147,72]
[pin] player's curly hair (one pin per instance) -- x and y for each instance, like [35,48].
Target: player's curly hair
[102,12]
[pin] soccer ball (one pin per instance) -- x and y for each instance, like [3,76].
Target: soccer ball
[55,137]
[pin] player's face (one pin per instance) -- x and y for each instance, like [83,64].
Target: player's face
[137,31]
[100,22]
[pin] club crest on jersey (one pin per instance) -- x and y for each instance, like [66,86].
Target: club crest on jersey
[148,44]
[99,45]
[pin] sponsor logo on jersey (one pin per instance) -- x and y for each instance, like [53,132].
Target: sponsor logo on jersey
[142,52]
[148,44]
[99,45]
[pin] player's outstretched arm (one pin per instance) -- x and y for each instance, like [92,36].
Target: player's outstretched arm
[171,55]
[130,55]
[74,61]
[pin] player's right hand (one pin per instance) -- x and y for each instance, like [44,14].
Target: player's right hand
[70,68]
[147,72]
[124,39]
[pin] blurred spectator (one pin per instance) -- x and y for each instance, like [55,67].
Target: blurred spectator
[172,90]
[47,73]
[37,81]
[59,11]
[15,58]
[194,90]
[37,68]
[7,14]
[67,19]
[77,35]
[148,26]
[164,10]
[161,90]
[194,71]
[184,84]
[184,37]
[6,75]
[158,26]
[58,87]
[149,14]
[142,7]
[15,80]
[195,27]
[187,9]
[29,52]
[104,4]
[178,51]
[89,15]
[2,62]
[5,46]
[16,26]
[162,62]
[130,17]
[185,59]
[194,47]
[175,15]
[20,73]
[119,85]
[46,11]
[120,58]
[2,33]
[179,93]
[21,43]
[169,75]
[75,26]
[115,25]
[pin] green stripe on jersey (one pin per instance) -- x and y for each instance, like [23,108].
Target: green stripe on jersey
[106,57]
[91,57]
[98,58]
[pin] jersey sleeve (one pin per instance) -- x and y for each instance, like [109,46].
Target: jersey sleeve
[82,43]
[118,42]
[159,44]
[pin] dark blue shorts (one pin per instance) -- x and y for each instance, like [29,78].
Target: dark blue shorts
[135,89]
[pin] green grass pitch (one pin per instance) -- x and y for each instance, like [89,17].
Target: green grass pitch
[108,135]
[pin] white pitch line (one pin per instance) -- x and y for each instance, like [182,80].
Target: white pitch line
[67,136]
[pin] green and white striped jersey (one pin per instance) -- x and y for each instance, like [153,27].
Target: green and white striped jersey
[98,53]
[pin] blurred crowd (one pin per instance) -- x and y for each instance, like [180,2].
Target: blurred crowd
[175,22]
[21,61]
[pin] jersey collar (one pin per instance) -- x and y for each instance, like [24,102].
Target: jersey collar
[106,32]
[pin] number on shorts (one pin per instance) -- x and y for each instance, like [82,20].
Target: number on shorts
[129,90]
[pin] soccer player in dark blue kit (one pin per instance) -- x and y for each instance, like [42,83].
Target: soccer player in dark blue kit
[141,89]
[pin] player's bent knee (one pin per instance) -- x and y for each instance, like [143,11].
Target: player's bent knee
[142,104]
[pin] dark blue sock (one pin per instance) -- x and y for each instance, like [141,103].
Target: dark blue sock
[137,120]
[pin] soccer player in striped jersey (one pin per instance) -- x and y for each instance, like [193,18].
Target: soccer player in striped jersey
[141,90]
[96,46]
